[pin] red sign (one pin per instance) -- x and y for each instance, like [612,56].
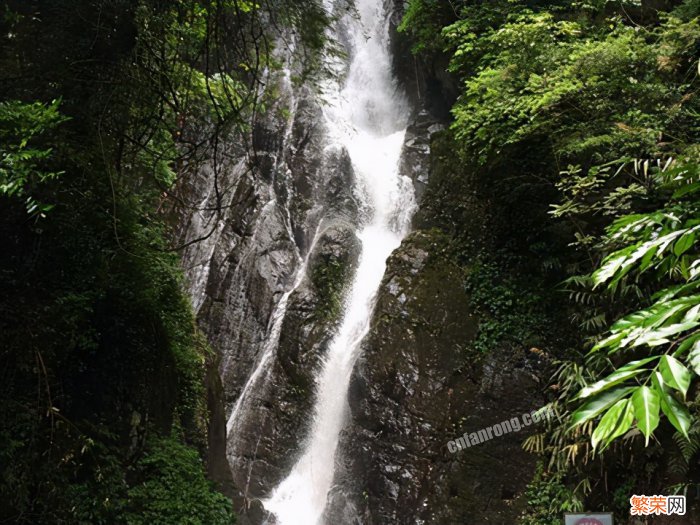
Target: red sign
[588,521]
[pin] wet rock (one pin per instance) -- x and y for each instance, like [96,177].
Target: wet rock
[252,223]
[259,215]
[267,444]
[414,389]
[415,157]
[427,83]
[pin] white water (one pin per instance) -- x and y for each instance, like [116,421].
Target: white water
[367,117]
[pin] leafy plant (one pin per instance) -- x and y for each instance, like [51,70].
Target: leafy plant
[661,243]
[547,498]
[173,488]
[22,160]
[508,311]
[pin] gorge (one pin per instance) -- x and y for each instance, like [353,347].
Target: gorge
[289,304]
[328,262]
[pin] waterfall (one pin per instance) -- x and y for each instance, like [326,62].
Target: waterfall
[367,116]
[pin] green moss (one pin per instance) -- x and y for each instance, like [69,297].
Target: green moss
[509,310]
[329,278]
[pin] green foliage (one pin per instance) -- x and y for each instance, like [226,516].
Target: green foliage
[173,489]
[509,311]
[548,498]
[548,85]
[100,484]
[423,21]
[101,355]
[21,160]
[588,109]
[546,74]
[658,247]
[98,339]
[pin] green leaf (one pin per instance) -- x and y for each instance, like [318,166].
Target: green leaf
[676,413]
[610,381]
[686,189]
[687,343]
[611,265]
[612,340]
[647,259]
[633,365]
[675,374]
[660,336]
[646,409]
[598,404]
[694,356]
[684,243]
[616,421]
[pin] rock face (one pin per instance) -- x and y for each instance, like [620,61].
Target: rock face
[271,222]
[426,81]
[272,247]
[414,389]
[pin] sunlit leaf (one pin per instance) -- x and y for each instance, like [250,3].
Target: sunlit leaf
[684,243]
[694,355]
[675,374]
[676,413]
[613,379]
[616,421]
[646,410]
[598,404]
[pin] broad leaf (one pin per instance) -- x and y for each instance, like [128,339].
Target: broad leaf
[608,382]
[675,374]
[684,243]
[598,404]
[633,365]
[646,409]
[688,343]
[676,413]
[611,265]
[660,336]
[616,421]
[694,356]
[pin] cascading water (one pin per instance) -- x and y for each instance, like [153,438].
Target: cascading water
[366,116]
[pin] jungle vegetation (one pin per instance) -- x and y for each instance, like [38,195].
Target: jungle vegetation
[105,108]
[588,112]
